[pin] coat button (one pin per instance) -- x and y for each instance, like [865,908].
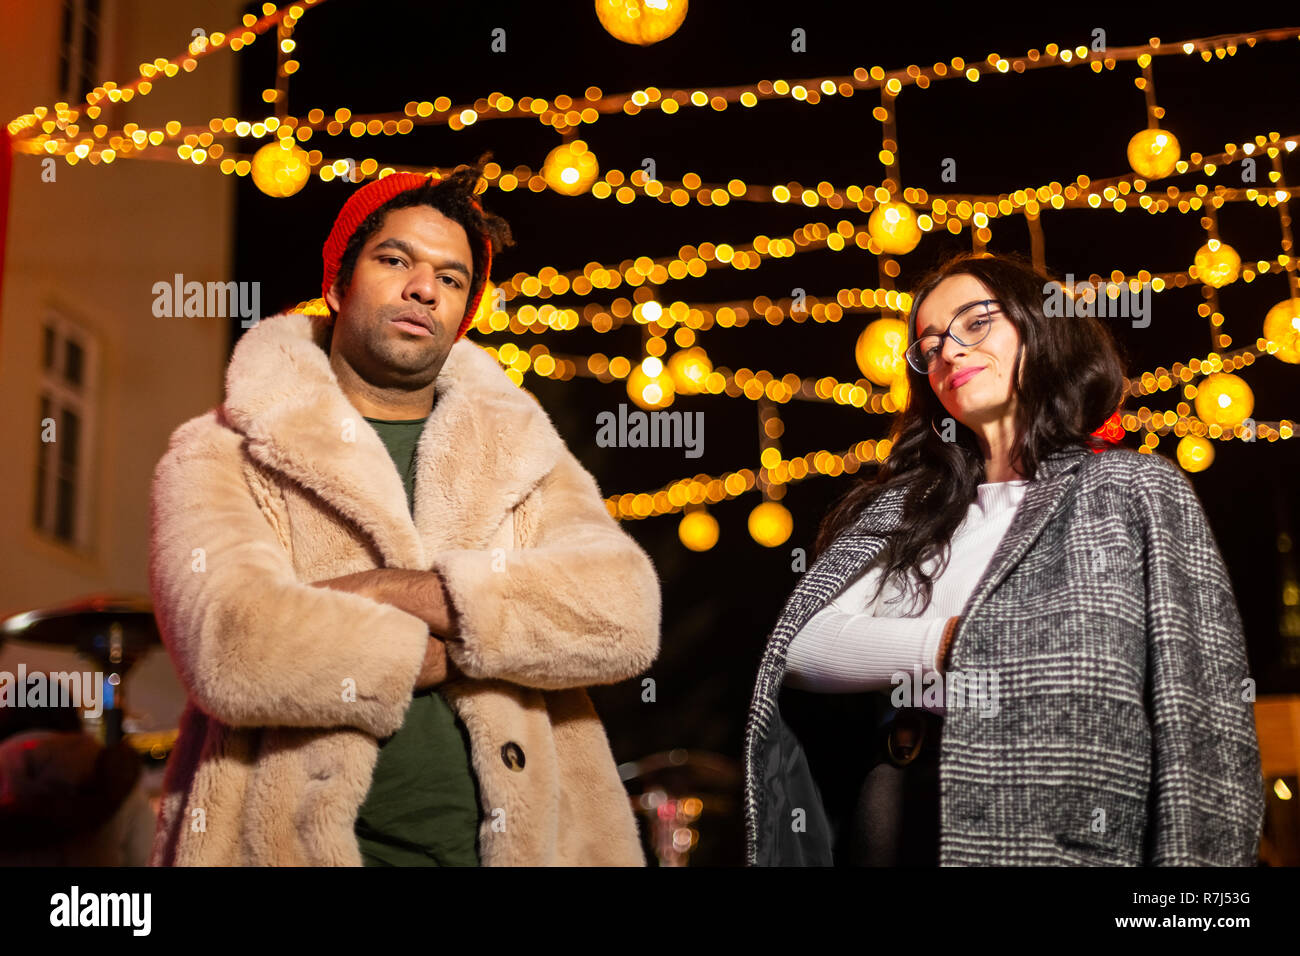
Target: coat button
[513,755]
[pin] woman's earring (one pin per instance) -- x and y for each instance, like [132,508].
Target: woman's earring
[936,431]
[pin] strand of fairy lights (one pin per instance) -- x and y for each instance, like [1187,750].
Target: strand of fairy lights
[374,125]
[36,125]
[873,399]
[756,385]
[286,17]
[199,147]
[778,471]
[549,281]
[1058,197]
[567,112]
[677,194]
[562,113]
[705,489]
[605,318]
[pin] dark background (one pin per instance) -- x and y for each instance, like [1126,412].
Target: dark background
[1005,132]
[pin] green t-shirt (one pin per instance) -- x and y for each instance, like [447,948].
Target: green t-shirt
[423,806]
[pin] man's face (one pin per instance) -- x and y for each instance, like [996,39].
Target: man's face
[398,319]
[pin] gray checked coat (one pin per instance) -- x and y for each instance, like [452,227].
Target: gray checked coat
[1124,734]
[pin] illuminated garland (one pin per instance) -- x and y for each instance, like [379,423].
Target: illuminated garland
[874,399]
[765,385]
[645,310]
[567,112]
[705,489]
[162,68]
[38,133]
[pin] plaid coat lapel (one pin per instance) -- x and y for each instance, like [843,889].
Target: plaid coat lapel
[845,558]
[1044,497]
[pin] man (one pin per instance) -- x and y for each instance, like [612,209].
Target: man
[384,581]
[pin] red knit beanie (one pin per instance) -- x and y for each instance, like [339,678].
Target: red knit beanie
[365,201]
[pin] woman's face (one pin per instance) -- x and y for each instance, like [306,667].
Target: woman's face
[974,398]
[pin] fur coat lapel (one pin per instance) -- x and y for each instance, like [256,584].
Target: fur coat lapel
[485,446]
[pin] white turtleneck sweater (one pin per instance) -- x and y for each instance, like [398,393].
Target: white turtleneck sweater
[847,647]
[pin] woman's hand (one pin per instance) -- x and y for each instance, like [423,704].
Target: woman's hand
[945,645]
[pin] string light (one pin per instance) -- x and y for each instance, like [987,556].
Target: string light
[674,497]
[561,112]
[201,46]
[707,489]
[695,262]
[743,382]
[539,360]
[898,218]
[737,314]
[966,209]
[1155,422]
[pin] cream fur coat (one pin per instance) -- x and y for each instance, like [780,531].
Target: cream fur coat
[290,685]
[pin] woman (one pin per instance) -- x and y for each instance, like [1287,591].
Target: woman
[1010,650]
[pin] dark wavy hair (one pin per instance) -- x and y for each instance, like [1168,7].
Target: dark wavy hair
[453,197]
[1072,381]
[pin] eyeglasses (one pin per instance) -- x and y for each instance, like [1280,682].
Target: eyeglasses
[968,327]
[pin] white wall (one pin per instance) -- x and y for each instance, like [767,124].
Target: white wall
[93,243]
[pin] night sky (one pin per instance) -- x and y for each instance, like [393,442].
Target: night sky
[1005,132]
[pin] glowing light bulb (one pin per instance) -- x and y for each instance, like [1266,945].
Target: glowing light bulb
[642,22]
[1153,153]
[570,168]
[893,225]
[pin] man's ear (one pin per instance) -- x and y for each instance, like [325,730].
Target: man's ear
[332,298]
